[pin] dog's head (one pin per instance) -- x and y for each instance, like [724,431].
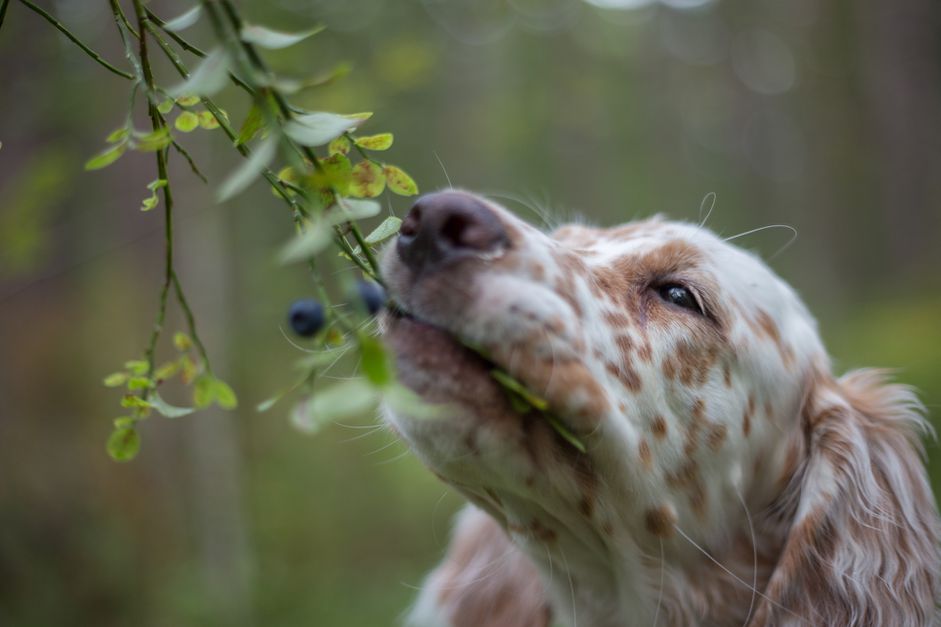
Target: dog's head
[692,374]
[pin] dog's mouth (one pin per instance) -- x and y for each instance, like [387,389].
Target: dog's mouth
[442,367]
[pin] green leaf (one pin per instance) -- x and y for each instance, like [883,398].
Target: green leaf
[186,122]
[511,384]
[166,106]
[319,128]
[166,409]
[154,140]
[131,401]
[182,341]
[375,362]
[562,430]
[115,379]
[203,391]
[250,127]
[123,422]
[151,202]
[123,444]
[368,180]
[139,383]
[224,395]
[209,76]
[208,121]
[388,228]
[399,182]
[188,100]
[273,39]
[318,233]
[347,399]
[243,176]
[339,146]
[338,172]
[117,135]
[105,158]
[138,367]
[383,141]
[353,209]
[167,370]
[184,21]
[403,400]
[268,403]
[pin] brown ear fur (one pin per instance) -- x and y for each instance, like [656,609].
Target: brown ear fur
[862,547]
[484,581]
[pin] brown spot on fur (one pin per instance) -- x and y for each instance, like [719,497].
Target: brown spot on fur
[716,436]
[616,320]
[684,476]
[542,533]
[643,449]
[659,521]
[586,506]
[659,427]
[645,352]
[508,597]
[539,272]
[625,344]
[746,422]
[727,374]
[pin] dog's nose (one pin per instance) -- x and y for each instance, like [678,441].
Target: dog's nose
[446,226]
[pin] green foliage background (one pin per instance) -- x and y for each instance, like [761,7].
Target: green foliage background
[805,113]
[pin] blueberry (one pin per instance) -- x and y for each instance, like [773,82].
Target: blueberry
[372,294]
[306,317]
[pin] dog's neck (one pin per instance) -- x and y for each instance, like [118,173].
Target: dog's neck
[614,581]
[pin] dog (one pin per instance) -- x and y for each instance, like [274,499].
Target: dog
[728,476]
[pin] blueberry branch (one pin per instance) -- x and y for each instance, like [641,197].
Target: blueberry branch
[65,31]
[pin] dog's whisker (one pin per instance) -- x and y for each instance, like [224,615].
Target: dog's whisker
[710,199]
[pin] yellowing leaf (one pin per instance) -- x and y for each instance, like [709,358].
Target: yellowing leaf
[207,120]
[182,341]
[188,101]
[383,141]
[399,182]
[339,146]
[368,180]
[186,122]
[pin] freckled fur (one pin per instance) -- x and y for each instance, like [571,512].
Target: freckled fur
[722,438]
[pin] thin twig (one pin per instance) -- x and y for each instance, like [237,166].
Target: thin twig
[78,42]
[220,117]
[189,47]
[3,10]
[287,112]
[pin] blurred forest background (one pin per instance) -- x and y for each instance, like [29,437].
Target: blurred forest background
[822,115]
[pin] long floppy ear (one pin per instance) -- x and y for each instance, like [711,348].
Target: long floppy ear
[863,544]
[484,581]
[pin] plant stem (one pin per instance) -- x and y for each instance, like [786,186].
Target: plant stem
[199,52]
[287,113]
[217,113]
[78,42]
[3,10]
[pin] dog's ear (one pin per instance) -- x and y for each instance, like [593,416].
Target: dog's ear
[484,581]
[863,543]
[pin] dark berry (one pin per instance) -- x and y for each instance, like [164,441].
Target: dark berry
[372,294]
[306,317]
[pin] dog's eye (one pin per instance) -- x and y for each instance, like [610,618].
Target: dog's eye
[680,296]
